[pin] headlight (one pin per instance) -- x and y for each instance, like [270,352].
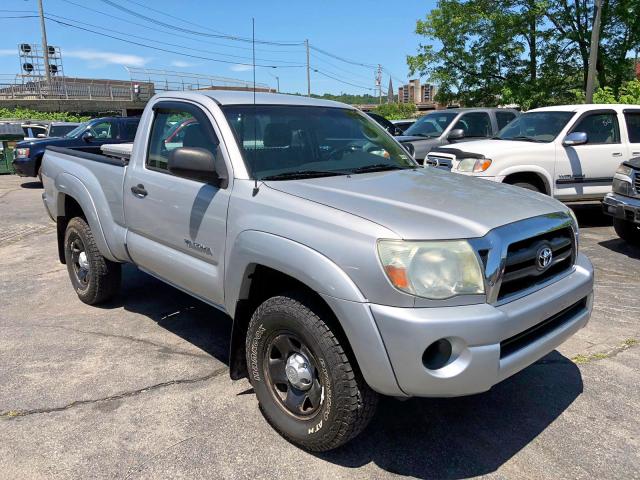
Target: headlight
[474,165]
[624,170]
[622,187]
[22,152]
[432,269]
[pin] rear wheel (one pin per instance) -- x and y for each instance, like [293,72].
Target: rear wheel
[94,278]
[307,387]
[626,230]
[527,186]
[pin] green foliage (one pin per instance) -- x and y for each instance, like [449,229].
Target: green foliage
[629,93]
[27,114]
[396,111]
[527,52]
[350,99]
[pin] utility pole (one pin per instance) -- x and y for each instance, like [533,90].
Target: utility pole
[379,83]
[306,44]
[593,52]
[45,45]
[278,83]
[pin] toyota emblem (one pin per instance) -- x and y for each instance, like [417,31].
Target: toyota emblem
[544,257]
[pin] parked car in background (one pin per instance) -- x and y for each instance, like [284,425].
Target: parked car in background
[348,270]
[33,131]
[570,152]
[86,137]
[454,125]
[388,125]
[404,123]
[60,129]
[623,204]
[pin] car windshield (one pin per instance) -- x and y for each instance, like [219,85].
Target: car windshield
[431,125]
[541,127]
[78,130]
[60,130]
[281,142]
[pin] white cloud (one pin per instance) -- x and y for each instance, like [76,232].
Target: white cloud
[182,64]
[98,59]
[241,68]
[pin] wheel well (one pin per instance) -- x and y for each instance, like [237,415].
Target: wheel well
[528,177]
[71,210]
[261,283]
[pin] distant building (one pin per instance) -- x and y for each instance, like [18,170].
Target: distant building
[413,92]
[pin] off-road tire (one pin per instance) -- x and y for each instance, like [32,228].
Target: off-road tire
[527,186]
[103,278]
[628,231]
[348,403]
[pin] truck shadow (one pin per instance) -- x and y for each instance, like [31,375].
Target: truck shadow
[425,438]
[464,437]
[590,215]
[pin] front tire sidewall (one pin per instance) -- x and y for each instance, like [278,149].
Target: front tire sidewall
[316,429]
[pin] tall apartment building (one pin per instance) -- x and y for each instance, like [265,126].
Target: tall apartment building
[413,92]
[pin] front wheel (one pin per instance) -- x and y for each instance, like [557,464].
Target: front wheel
[628,231]
[307,387]
[94,278]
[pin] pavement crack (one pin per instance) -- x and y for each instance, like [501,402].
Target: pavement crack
[9,414]
[581,359]
[164,348]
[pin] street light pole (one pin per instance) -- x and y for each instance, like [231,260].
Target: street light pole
[45,45]
[306,44]
[593,52]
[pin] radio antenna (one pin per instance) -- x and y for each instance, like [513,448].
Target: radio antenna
[255,130]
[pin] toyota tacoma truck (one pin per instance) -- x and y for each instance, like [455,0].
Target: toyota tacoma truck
[348,270]
[623,204]
[569,152]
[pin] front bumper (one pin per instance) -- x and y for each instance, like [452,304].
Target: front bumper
[25,167]
[624,208]
[476,333]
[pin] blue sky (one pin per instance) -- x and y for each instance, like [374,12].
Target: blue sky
[368,32]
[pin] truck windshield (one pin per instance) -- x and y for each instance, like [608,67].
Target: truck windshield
[280,142]
[431,125]
[541,127]
[77,131]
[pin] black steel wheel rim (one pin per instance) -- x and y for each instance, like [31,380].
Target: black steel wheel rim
[301,403]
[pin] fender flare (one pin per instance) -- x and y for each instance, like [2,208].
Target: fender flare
[69,185]
[253,247]
[541,172]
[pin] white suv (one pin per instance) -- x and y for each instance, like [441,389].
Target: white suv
[570,152]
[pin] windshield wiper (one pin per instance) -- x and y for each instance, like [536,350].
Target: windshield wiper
[379,167]
[303,174]
[524,139]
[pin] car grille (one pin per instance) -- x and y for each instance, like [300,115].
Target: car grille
[636,181]
[523,269]
[530,335]
[438,161]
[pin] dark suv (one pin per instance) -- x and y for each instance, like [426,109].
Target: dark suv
[442,127]
[86,137]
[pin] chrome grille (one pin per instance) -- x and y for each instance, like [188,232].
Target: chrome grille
[522,267]
[439,162]
[636,181]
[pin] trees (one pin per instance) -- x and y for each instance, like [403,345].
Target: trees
[529,52]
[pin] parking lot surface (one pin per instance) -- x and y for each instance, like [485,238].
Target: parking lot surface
[139,388]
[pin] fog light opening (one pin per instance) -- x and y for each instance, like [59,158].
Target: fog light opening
[437,355]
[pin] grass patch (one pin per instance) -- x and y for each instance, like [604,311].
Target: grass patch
[582,359]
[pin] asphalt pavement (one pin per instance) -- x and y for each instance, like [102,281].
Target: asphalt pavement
[139,388]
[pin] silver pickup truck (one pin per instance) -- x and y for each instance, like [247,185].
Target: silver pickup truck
[347,270]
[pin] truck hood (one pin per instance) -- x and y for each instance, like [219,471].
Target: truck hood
[424,203]
[495,148]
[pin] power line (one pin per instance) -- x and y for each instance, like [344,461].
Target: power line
[200,57]
[342,59]
[333,65]
[194,32]
[169,44]
[340,80]
[340,77]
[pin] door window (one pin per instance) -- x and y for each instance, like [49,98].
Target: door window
[104,130]
[504,118]
[475,124]
[128,129]
[601,128]
[632,119]
[175,128]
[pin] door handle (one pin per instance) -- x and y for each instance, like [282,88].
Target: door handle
[635,153]
[139,191]
[616,154]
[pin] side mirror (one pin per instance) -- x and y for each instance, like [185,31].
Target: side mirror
[456,134]
[410,148]
[575,138]
[87,136]
[41,135]
[194,163]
